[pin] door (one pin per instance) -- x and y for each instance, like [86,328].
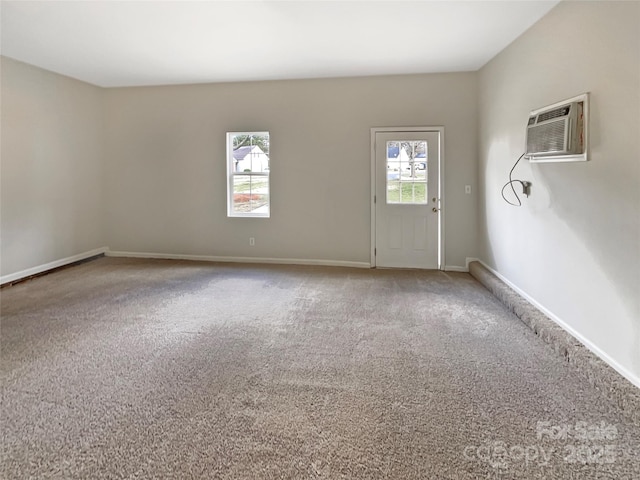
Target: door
[407,198]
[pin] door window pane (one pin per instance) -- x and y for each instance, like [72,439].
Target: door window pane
[407,172]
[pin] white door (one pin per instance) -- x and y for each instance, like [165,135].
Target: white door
[407,199]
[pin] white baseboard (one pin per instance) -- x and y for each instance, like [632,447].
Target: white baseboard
[211,258]
[634,379]
[455,268]
[12,277]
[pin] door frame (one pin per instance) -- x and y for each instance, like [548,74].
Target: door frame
[440,131]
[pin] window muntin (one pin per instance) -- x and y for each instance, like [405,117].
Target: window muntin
[407,172]
[248,193]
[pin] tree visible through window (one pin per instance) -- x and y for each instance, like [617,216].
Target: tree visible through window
[248,174]
[407,172]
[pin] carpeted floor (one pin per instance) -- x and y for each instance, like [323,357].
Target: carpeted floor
[122,368]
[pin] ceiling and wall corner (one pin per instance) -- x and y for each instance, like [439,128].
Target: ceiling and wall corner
[114,43]
[574,246]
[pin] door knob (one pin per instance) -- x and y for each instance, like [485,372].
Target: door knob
[435,210]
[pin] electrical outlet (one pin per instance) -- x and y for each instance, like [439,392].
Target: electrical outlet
[252,242]
[467,189]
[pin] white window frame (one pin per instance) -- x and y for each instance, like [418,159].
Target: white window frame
[231,175]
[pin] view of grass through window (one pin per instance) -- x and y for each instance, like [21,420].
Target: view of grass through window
[248,157]
[406,192]
[407,172]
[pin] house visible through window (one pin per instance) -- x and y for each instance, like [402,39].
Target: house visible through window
[407,172]
[248,174]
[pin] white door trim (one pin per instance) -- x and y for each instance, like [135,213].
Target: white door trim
[438,129]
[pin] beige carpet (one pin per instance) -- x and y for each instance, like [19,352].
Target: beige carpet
[128,369]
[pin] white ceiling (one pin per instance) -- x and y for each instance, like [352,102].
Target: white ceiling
[125,43]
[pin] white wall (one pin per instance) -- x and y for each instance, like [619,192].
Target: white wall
[51,154]
[574,245]
[165,163]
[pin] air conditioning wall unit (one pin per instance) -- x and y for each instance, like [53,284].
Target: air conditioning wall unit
[559,132]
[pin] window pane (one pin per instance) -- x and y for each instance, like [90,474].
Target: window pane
[420,173]
[250,152]
[393,192]
[248,170]
[393,170]
[250,194]
[407,172]
[419,193]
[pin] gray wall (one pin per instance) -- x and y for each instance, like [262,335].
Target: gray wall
[165,163]
[574,245]
[143,169]
[52,158]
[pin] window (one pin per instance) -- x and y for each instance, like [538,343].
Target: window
[407,172]
[248,174]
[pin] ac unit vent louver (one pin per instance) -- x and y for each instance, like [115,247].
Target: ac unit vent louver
[556,131]
[547,138]
[558,112]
